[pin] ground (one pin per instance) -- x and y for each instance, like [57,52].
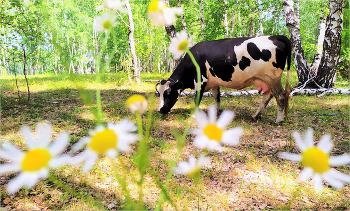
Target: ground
[249,176]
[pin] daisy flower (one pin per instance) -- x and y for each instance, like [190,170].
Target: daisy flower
[104,22]
[192,167]
[104,141]
[35,163]
[317,161]
[160,14]
[115,5]
[137,103]
[211,134]
[179,44]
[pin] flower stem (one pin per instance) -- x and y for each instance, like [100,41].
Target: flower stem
[198,77]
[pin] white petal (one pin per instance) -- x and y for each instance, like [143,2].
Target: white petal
[212,114]
[112,153]
[60,144]
[201,118]
[339,160]
[214,145]
[225,119]
[339,175]
[309,142]
[306,174]
[80,144]
[89,163]
[12,149]
[332,181]
[7,155]
[44,137]
[61,161]
[31,180]
[290,156]
[192,161]
[16,183]
[318,182]
[298,140]
[231,137]
[80,157]
[28,136]
[325,144]
[9,168]
[200,142]
[202,160]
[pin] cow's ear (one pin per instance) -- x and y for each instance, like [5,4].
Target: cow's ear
[176,86]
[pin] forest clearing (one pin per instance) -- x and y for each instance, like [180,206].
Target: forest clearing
[80,121]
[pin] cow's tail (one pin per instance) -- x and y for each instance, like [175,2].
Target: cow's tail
[287,88]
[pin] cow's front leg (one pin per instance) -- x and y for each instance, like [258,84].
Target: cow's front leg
[200,92]
[267,96]
[216,95]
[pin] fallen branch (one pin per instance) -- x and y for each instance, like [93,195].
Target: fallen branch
[320,92]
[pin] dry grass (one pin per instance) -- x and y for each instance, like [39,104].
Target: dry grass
[249,176]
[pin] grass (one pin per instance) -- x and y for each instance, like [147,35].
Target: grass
[249,176]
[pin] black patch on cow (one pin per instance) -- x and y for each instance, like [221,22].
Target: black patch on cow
[224,71]
[253,51]
[281,54]
[266,55]
[212,71]
[163,82]
[234,59]
[245,62]
[280,59]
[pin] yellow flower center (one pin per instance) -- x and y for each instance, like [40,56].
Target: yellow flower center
[194,173]
[183,45]
[107,24]
[315,159]
[153,6]
[103,141]
[213,132]
[135,98]
[35,159]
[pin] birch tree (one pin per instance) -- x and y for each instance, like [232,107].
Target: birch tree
[326,70]
[132,42]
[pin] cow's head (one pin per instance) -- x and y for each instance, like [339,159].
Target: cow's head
[169,93]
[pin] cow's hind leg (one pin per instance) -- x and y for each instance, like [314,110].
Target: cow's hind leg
[216,95]
[267,96]
[278,92]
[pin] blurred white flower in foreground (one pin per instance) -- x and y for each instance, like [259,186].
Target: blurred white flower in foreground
[137,103]
[104,22]
[115,5]
[179,44]
[211,134]
[160,14]
[192,167]
[104,141]
[317,161]
[35,163]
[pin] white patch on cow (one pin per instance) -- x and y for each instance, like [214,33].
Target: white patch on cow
[262,43]
[161,90]
[202,82]
[195,84]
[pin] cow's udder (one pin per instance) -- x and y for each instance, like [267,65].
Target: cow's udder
[261,85]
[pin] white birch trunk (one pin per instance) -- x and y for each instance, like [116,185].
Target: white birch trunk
[132,43]
[202,19]
[320,38]
[331,46]
[292,21]
[225,19]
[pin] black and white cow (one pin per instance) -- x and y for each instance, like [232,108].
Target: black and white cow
[234,63]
